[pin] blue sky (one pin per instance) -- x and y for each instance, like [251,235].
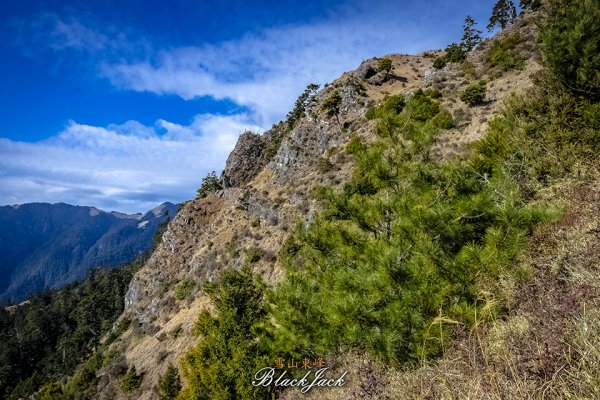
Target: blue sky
[126,104]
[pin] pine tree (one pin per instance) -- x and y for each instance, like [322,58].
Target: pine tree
[302,103]
[570,46]
[503,14]
[169,385]
[471,36]
[210,183]
[385,64]
[331,106]
[533,4]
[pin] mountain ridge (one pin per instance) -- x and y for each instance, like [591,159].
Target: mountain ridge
[49,245]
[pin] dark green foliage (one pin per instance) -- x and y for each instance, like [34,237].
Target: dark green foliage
[223,364]
[302,103]
[354,145]
[571,43]
[443,120]
[531,4]
[433,93]
[455,53]
[406,241]
[50,336]
[131,381]
[504,13]
[474,94]
[210,184]
[52,391]
[384,64]
[502,54]
[421,106]
[393,104]
[84,378]
[550,133]
[331,105]
[169,385]
[471,35]
[439,63]
[184,289]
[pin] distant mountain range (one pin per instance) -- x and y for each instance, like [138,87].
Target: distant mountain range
[49,245]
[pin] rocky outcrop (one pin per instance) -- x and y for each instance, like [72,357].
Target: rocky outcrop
[366,70]
[245,161]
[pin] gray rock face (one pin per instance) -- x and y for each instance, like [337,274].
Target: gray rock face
[366,70]
[379,78]
[49,245]
[245,161]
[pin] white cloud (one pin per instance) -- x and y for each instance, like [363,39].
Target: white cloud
[266,71]
[129,167]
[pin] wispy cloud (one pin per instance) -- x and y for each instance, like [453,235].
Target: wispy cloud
[265,71]
[128,167]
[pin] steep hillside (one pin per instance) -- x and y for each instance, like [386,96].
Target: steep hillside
[49,245]
[432,243]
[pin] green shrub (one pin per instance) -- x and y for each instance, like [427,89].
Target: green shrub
[455,53]
[131,381]
[443,120]
[210,183]
[433,93]
[502,53]
[51,391]
[570,43]
[331,105]
[385,64]
[439,63]
[354,145]
[325,165]
[184,289]
[393,104]
[223,364]
[532,4]
[474,94]
[468,68]
[169,385]
[422,107]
